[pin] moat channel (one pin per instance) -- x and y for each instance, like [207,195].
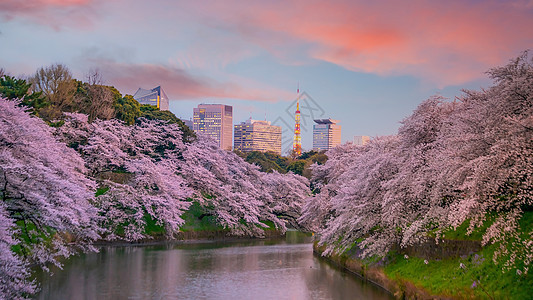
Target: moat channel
[282,268]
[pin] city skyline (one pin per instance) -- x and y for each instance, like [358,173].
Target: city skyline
[288,138]
[367,64]
[260,135]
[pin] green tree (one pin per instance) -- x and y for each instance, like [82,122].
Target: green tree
[127,109]
[281,161]
[266,163]
[270,161]
[297,167]
[12,88]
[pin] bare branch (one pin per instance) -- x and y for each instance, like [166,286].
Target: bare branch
[94,77]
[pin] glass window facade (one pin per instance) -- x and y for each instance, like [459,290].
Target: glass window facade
[254,135]
[326,134]
[156,97]
[215,121]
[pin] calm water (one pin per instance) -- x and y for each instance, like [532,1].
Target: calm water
[263,269]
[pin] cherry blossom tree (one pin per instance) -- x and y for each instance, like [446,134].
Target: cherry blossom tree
[353,193]
[13,269]
[45,194]
[450,162]
[165,175]
[228,187]
[490,139]
[317,209]
[150,153]
[287,193]
[237,193]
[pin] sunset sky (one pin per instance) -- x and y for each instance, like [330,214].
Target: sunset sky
[365,63]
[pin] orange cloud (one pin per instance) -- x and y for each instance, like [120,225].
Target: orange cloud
[446,42]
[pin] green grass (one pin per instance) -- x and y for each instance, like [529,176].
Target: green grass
[480,278]
[270,224]
[196,220]
[460,233]
[101,191]
[526,222]
[151,228]
[446,277]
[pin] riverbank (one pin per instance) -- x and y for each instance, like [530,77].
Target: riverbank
[375,274]
[198,225]
[451,270]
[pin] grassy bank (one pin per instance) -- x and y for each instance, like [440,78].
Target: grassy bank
[471,275]
[479,278]
[467,275]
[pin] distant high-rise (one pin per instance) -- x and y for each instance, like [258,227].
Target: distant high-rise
[216,121]
[254,135]
[326,134]
[361,140]
[155,97]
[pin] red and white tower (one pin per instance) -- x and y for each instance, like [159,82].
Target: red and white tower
[297,144]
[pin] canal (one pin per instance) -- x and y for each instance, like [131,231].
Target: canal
[257,269]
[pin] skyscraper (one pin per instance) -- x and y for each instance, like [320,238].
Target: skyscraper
[216,121]
[326,134]
[254,135]
[155,97]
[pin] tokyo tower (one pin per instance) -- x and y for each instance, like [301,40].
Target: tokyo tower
[297,144]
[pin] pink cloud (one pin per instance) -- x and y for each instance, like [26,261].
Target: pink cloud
[53,13]
[14,6]
[445,42]
[180,84]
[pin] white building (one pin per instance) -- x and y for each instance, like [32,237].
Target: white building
[361,140]
[255,135]
[216,121]
[326,134]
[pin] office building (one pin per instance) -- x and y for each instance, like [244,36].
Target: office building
[215,121]
[254,135]
[361,140]
[155,97]
[326,134]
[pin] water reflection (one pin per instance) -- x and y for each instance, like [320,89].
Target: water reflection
[268,269]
